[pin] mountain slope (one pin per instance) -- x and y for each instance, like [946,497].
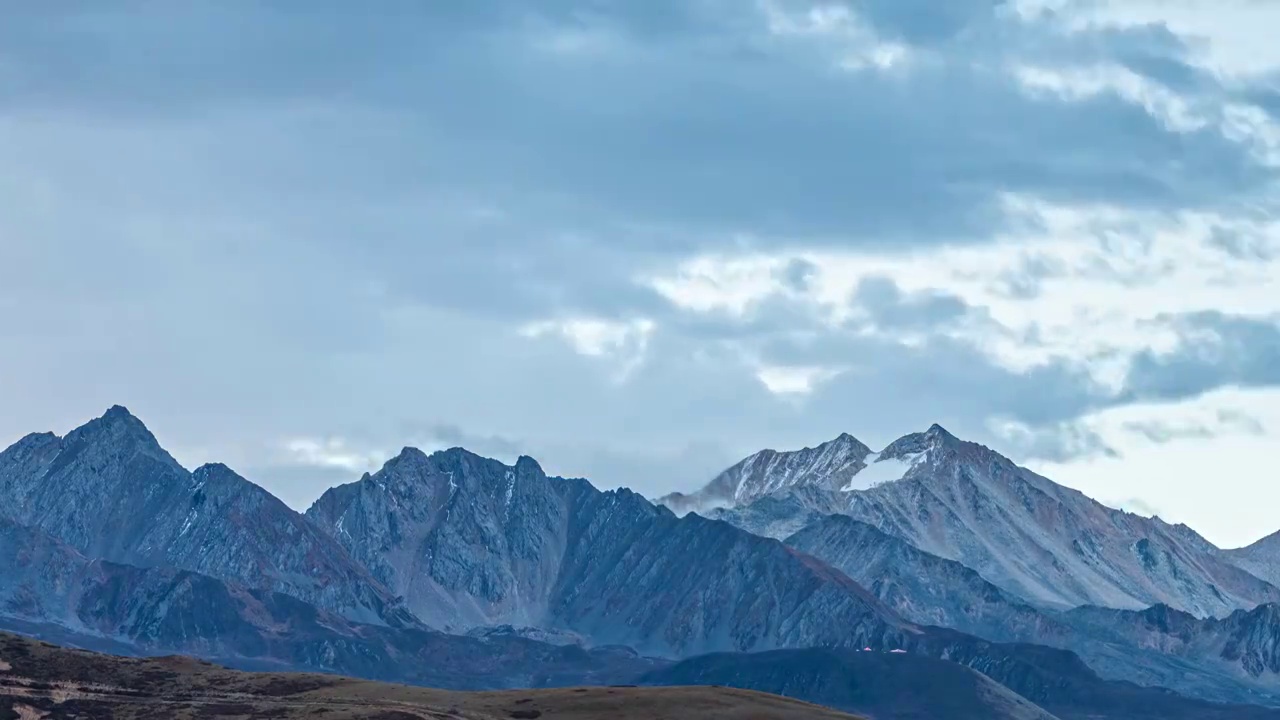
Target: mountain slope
[921,587]
[828,466]
[41,680]
[870,682]
[883,686]
[1119,644]
[98,604]
[1261,559]
[468,541]
[109,490]
[1204,655]
[1046,544]
[49,589]
[462,534]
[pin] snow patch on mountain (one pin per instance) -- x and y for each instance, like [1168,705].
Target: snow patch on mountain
[880,470]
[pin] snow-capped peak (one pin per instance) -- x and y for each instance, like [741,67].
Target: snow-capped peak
[841,464]
[828,466]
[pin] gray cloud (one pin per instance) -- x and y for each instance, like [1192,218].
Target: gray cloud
[883,298]
[1057,443]
[1241,245]
[1218,350]
[1225,422]
[825,152]
[335,223]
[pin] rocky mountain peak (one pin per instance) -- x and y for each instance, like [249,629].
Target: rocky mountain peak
[118,420]
[217,478]
[828,466]
[936,429]
[30,444]
[935,437]
[119,431]
[214,470]
[406,458]
[527,465]
[845,441]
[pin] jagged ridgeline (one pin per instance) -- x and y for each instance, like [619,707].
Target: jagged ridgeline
[455,570]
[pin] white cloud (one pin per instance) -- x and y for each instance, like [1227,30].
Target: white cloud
[1080,83]
[624,343]
[1231,37]
[853,43]
[794,380]
[1110,277]
[1238,122]
[1209,468]
[331,452]
[720,283]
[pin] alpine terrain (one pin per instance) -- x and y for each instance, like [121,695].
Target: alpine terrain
[863,572]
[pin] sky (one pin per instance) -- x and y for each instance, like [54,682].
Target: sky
[639,240]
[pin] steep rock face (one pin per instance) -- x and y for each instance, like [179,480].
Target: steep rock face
[781,514]
[1049,544]
[50,590]
[1046,544]
[924,588]
[679,586]
[109,490]
[468,541]
[828,466]
[1244,646]
[1153,647]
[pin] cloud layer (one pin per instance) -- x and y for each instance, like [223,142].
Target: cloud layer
[639,240]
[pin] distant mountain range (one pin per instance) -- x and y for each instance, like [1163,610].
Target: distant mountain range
[455,570]
[111,492]
[1043,543]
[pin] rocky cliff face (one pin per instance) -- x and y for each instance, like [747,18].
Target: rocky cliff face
[468,541]
[51,590]
[924,588]
[111,492]
[1043,543]
[105,537]
[1158,646]
[1046,543]
[1244,646]
[829,466]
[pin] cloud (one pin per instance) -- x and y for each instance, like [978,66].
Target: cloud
[330,453]
[1195,459]
[1226,421]
[1059,442]
[622,342]
[1214,350]
[794,380]
[620,230]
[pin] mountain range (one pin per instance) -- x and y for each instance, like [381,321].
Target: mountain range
[1044,543]
[455,570]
